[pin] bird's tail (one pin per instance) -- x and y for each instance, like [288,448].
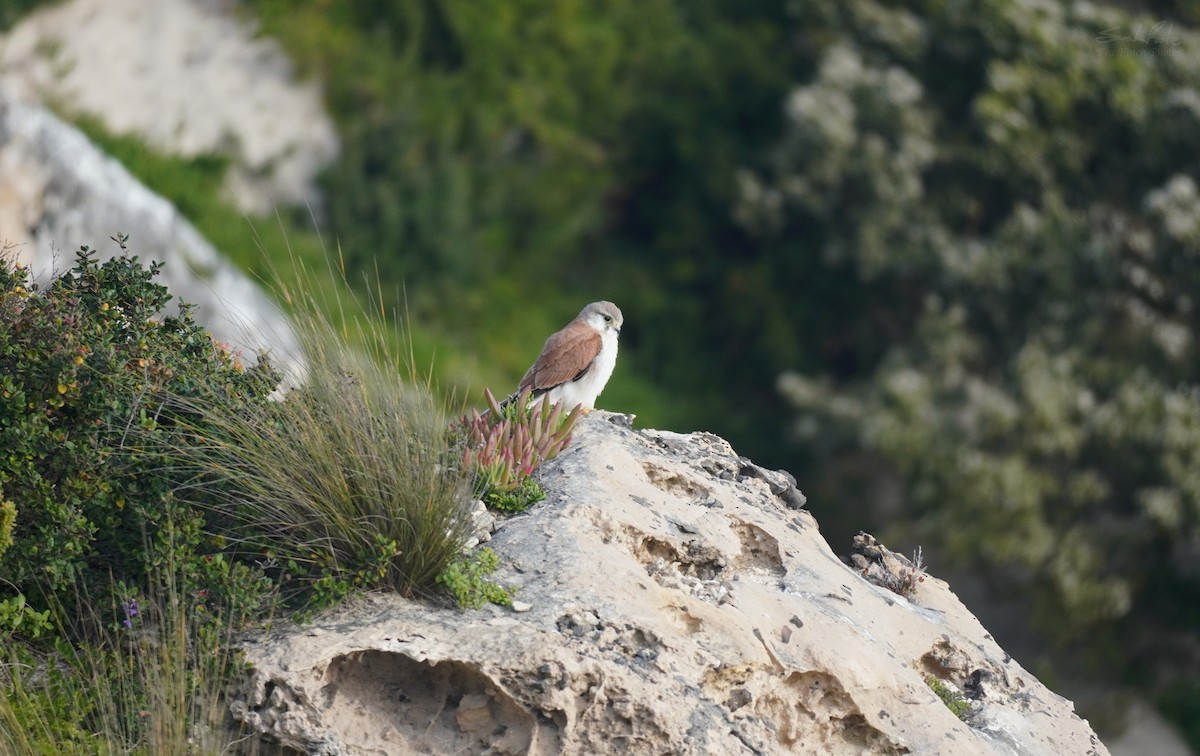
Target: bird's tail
[508,400]
[499,406]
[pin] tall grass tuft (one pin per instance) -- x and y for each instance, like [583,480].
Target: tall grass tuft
[346,482]
[144,676]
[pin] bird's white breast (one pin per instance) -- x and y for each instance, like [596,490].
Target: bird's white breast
[585,390]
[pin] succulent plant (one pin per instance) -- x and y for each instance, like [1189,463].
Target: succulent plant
[505,444]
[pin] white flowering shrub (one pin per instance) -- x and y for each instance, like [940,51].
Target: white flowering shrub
[1011,187]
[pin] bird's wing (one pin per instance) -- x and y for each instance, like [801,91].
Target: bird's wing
[566,356]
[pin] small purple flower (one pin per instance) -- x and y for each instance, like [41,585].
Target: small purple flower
[131,611]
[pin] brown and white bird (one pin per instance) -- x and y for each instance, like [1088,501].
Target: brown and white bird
[577,361]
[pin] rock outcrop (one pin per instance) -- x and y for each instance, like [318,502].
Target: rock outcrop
[57,192]
[190,78]
[677,601]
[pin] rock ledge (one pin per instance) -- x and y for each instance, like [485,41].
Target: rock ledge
[680,603]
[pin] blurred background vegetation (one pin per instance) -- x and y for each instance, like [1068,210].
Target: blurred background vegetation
[938,259]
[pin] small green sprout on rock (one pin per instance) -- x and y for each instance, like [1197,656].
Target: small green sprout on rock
[466,580]
[954,700]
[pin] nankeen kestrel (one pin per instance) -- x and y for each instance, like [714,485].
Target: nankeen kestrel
[577,361]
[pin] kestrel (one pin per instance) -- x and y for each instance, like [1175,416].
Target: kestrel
[577,361]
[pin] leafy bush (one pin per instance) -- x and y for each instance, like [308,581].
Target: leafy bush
[1018,251]
[89,510]
[504,445]
[82,364]
[142,461]
[19,618]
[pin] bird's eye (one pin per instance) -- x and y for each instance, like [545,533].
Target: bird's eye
[608,318]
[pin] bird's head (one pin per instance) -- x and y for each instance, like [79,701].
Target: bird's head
[603,316]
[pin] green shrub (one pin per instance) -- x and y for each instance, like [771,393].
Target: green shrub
[8,519]
[19,618]
[82,361]
[1007,260]
[141,460]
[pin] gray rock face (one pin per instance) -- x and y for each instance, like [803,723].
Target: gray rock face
[57,192]
[678,602]
[189,77]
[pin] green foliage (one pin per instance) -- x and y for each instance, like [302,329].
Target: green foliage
[138,450]
[955,702]
[132,440]
[80,362]
[504,445]
[8,520]
[1018,245]
[466,580]
[526,493]
[150,683]
[19,618]
[87,500]
[450,116]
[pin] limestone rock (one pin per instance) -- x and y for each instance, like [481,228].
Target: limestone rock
[57,192]
[678,604]
[483,524]
[187,76]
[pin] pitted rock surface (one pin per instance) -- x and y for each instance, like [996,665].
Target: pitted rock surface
[681,603]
